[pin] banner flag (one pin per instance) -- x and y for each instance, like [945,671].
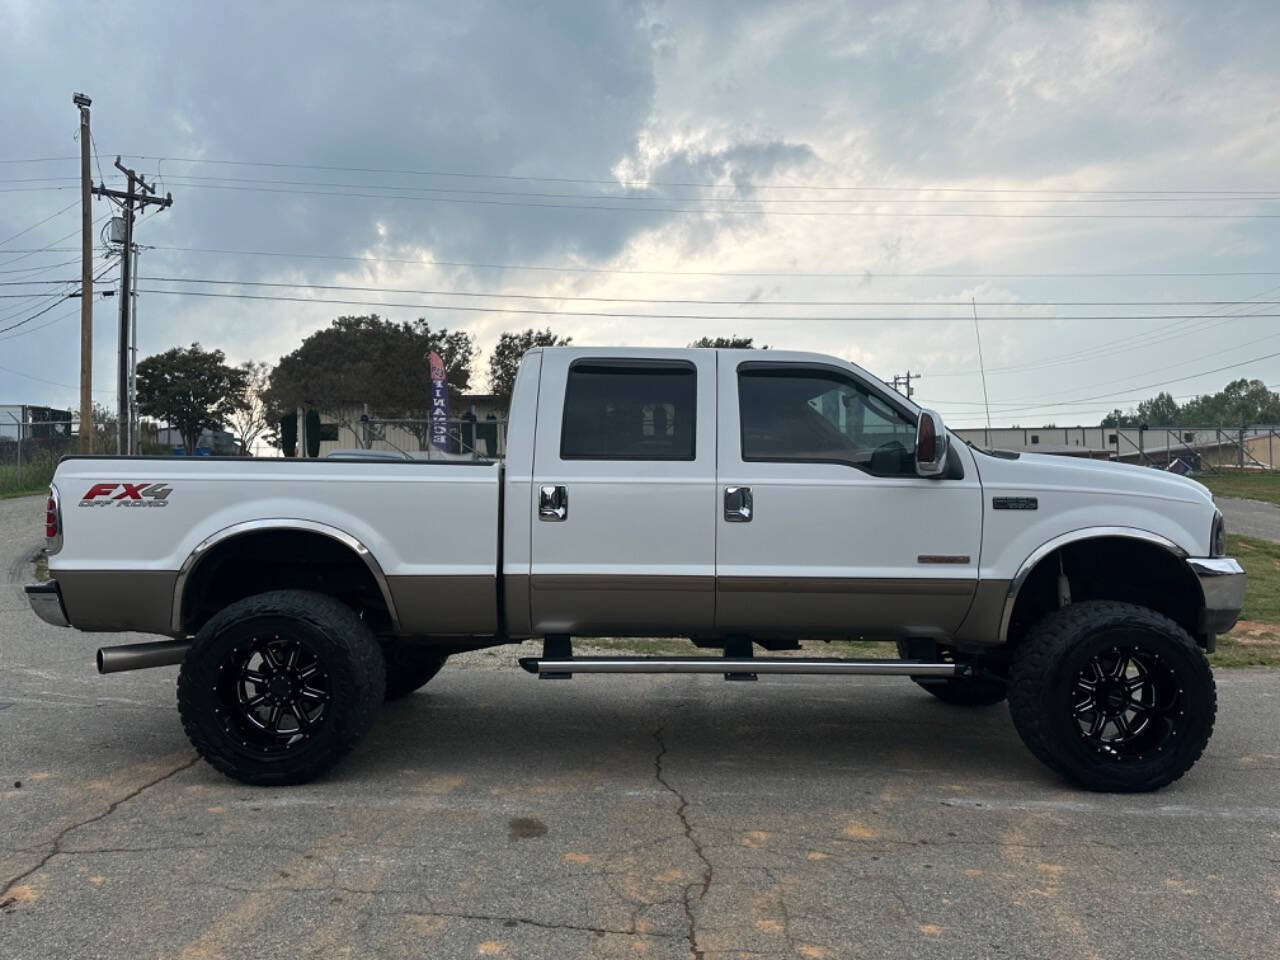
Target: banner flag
[439,403]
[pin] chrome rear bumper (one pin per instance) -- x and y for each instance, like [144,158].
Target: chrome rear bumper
[46,600]
[1222,581]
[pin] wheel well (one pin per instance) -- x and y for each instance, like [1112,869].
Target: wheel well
[265,560]
[1111,568]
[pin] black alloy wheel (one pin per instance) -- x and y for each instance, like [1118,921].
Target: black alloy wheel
[278,687]
[273,692]
[1127,702]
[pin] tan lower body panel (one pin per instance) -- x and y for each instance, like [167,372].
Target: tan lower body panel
[516,598]
[982,625]
[446,606]
[586,606]
[842,606]
[140,601]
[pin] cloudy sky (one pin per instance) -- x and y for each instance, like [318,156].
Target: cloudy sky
[1101,178]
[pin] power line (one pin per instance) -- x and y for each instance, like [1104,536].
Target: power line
[39,223]
[657,183]
[39,159]
[1154,386]
[61,299]
[47,266]
[624,181]
[928,214]
[699,301]
[644,316]
[575,268]
[1127,343]
[50,246]
[40,326]
[52,383]
[195,180]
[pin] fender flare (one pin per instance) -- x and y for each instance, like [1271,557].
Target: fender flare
[278,523]
[1070,537]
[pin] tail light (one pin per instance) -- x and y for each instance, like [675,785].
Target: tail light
[53,521]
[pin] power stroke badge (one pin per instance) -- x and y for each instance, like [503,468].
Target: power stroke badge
[127,495]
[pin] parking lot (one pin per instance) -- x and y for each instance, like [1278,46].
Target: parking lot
[494,814]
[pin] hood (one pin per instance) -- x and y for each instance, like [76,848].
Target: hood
[1036,469]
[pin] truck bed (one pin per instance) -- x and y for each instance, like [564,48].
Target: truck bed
[428,530]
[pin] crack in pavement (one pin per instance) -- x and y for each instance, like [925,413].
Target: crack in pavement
[111,808]
[631,931]
[682,815]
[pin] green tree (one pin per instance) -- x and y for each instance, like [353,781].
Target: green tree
[191,388]
[1240,402]
[728,343]
[506,356]
[1160,411]
[366,359]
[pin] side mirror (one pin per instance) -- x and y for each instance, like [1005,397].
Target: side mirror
[931,445]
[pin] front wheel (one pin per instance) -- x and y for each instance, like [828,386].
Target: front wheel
[278,687]
[1113,696]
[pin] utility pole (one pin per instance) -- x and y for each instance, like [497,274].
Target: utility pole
[86,280]
[905,379]
[135,421]
[128,198]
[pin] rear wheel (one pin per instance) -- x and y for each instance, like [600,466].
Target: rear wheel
[1113,696]
[278,687]
[409,667]
[981,691]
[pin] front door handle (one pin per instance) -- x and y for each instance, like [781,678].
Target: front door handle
[738,504]
[553,503]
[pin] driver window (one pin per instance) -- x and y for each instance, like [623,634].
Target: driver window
[812,415]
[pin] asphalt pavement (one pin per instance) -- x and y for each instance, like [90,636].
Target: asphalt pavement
[1253,518]
[497,815]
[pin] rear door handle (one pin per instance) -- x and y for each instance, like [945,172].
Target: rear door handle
[553,503]
[738,504]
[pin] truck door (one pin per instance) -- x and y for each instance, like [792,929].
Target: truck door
[823,526]
[624,493]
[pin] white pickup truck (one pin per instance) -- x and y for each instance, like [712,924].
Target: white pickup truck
[737,498]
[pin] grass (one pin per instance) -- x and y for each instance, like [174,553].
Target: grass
[35,479]
[1247,486]
[1255,641]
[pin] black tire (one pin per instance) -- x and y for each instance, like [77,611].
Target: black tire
[963,692]
[410,667]
[1100,665]
[278,687]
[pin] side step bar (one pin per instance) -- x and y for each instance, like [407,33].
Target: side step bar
[567,666]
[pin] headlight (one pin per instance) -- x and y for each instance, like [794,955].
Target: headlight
[1218,536]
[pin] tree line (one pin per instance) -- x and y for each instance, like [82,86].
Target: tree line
[1240,403]
[355,361]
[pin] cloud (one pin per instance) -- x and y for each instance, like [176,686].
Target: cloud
[615,102]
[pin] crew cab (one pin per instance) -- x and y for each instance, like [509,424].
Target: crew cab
[743,499]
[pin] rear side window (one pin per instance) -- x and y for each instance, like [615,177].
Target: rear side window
[629,411]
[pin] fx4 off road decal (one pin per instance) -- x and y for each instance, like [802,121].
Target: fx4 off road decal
[127,495]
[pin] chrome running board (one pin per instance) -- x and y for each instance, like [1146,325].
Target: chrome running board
[567,666]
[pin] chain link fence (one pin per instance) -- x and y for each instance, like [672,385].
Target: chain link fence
[30,451]
[468,437]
